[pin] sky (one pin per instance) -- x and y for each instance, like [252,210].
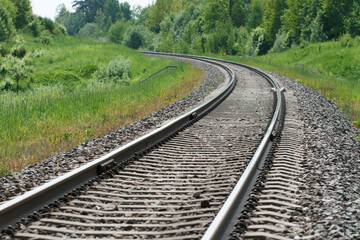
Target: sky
[47,8]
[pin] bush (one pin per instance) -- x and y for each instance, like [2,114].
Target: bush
[35,27]
[317,29]
[61,29]
[257,43]
[346,40]
[57,77]
[242,37]
[117,31]
[18,50]
[283,42]
[91,30]
[16,70]
[44,37]
[136,37]
[48,24]
[118,70]
[88,69]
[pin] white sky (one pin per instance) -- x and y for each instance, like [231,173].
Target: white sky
[47,8]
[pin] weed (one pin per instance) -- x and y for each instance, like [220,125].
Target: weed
[4,170]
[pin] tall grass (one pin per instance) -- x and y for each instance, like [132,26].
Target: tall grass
[48,119]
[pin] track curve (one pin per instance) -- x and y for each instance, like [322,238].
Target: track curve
[174,189]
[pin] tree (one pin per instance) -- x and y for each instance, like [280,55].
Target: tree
[309,12]
[352,22]
[292,17]
[125,11]
[23,11]
[255,14]
[73,22]
[215,11]
[111,9]
[116,32]
[317,29]
[335,12]
[6,24]
[89,8]
[272,18]
[135,37]
[238,12]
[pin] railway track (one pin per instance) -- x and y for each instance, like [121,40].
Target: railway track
[187,180]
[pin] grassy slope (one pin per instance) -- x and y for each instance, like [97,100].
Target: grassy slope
[338,67]
[50,119]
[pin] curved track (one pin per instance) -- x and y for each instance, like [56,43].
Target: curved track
[175,189]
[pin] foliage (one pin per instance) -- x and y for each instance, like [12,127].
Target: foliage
[91,30]
[6,24]
[23,12]
[258,43]
[44,37]
[272,18]
[352,22]
[316,27]
[35,27]
[346,40]
[16,70]
[48,25]
[118,70]
[136,37]
[18,49]
[89,8]
[65,104]
[117,31]
[283,41]
[73,22]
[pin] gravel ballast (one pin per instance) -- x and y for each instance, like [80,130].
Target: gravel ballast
[39,173]
[331,201]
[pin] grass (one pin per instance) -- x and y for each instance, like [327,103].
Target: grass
[52,118]
[337,65]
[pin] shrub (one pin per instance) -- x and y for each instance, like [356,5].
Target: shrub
[91,30]
[16,70]
[242,37]
[283,42]
[346,40]
[18,50]
[88,69]
[137,36]
[44,37]
[57,77]
[317,29]
[61,29]
[118,70]
[257,43]
[48,24]
[35,27]
[117,31]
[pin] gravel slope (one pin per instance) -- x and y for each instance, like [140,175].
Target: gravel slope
[331,201]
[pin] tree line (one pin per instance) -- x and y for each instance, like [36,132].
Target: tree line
[237,27]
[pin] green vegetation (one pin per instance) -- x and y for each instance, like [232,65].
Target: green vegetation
[77,92]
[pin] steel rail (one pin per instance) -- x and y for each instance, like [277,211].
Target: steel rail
[24,205]
[226,218]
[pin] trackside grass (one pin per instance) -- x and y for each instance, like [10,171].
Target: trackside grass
[337,64]
[50,118]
